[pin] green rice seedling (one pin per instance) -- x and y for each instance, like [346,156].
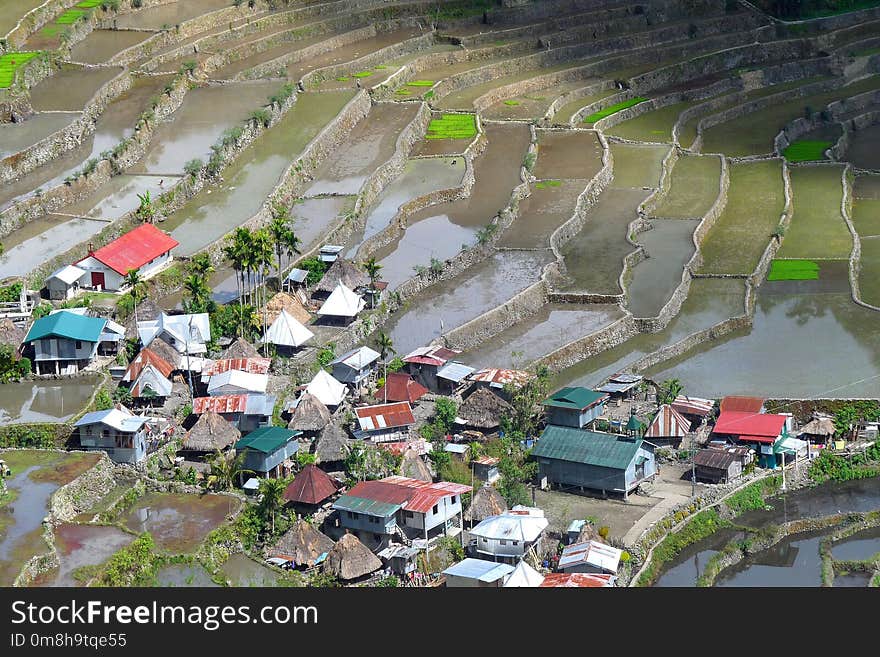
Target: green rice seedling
[380,67]
[453,126]
[71,16]
[10,63]
[614,109]
[428,94]
[511,103]
[342,78]
[544,184]
[806,150]
[420,83]
[793,270]
[362,74]
[403,92]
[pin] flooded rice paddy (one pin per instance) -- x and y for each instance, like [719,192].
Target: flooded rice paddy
[864,149]
[101,45]
[547,207]
[71,88]
[45,401]
[82,545]
[169,14]
[184,575]
[15,137]
[178,522]
[693,188]
[568,154]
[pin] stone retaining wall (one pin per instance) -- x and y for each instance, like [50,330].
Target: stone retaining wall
[605,338]
[19,164]
[84,492]
[571,96]
[855,257]
[832,112]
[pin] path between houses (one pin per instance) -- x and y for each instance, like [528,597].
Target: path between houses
[669,501]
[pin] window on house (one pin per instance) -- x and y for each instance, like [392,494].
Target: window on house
[503,542]
[79,344]
[435,510]
[409,515]
[351,515]
[516,542]
[452,499]
[374,520]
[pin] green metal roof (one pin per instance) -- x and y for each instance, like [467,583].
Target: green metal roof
[363,505]
[634,423]
[266,439]
[67,325]
[574,398]
[601,449]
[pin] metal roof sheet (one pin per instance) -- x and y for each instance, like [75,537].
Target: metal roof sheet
[501,377]
[64,324]
[668,423]
[400,386]
[511,526]
[134,249]
[575,398]
[455,371]
[68,274]
[479,569]
[588,447]
[592,553]
[693,405]
[255,365]
[740,423]
[267,439]
[577,580]
[715,458]
[742,404]
[385,416]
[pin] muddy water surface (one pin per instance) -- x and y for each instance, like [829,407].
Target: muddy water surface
[184,575]
[177,522]
[791,562]
[690,562]
[169,14]
[368,145]
[669,245]
[101,45]
[45,401]
[568,154]
[42,239]
[253,175]
[14,11]
[554,326]
[71,87]
[82,545]
[858,547]
[534,104]
[542,212]
[864,148]
[241,570]
[15,137]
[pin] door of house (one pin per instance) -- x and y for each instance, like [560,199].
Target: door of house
[98,279]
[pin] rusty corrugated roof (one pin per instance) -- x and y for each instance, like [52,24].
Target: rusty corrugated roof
[220,404]
[249,365]
[385,416]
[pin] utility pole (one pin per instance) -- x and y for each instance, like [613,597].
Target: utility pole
[783,471]
[188,366]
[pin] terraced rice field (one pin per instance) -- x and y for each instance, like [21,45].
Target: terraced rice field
[756,199]
[653,126]
[817,229]
[693,189]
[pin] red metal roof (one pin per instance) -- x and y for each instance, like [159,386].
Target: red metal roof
[430,355]
[254,365]
[759,427]
[693,405]
[742,404]
[488,460]
[414,494]
[385,416]
[310,486]
[220,404]
[144,358]
[669,423]
[135,249]
[576,580]
[401,387]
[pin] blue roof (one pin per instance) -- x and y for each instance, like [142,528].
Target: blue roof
[69,325]
[485,571]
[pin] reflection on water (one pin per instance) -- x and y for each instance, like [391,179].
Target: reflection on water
[44,401]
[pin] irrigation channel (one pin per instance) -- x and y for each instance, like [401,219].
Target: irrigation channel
[630,190]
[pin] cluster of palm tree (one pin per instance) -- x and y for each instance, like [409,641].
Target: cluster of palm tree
[137,288]
[198,292]
[373,269]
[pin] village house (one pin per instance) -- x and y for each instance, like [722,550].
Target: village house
[576,407]
[622,386]
[251,365]
[523,576]
[717,466]
[355,366]
[309,417]
[477,573]
[302,544]
[246,412]
[507,537]
[267,449]
[236,382]
[327,390]
[400,387]
[401,508]
[350,560]
[486,468]
[457,450]
[669,427]
[310,488]
[577,581]
[64,342]
[66,283]
[763,432]
[125,437]
[331,448]
[695,409]
[146,250]
[590,557]
[287,332]
[384,422]
[496,380]
[342,306]
[452,377]
[187,334]
[575,459]
[742,404]
[482,411]
[425,362]
[149,376]
[341,272]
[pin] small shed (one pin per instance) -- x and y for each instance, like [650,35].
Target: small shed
[622,386]
[287,331]
[350,559]
[342,306]
[399,387]
[66,283]
[477,573]
[355,365]
[819,430]
[668,427]
[486,468]
[302,544]
[327,389]
[590,557]
[457,450]
[574,406]
[717,465]
[209,435]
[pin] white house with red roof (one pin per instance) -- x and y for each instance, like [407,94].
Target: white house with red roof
[764,432]
[146,249]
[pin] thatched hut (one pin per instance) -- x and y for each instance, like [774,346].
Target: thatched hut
[414,467]
[485,503]
[818,430]
[240,348]
[331,448]
[283,301]
[146,309]
[302,543]
[166,352]
[310,416]
[482,410]
[210,434]
[345,272]
[350,559]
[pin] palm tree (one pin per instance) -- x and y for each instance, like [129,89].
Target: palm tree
[225,471]
[384,344]
[199,294]
[201,264]
[372,268]
[283,237]
[668,391]
[262,254]
[273,496]
[133,281]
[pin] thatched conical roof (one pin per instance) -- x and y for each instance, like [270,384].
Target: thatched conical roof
[351,559]
[590,533]
[240,348]
[146,309]
[302,543]
[166,352]
[332,444]
[10,333]
[310,414]
[483,409]
[210,433]
[485,503]
[819,426]
[414,467]
[345,272]
[283,301]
